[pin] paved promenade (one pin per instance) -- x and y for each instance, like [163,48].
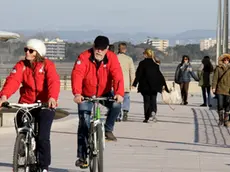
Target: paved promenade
[184,140]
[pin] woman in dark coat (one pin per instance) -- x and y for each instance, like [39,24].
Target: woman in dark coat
[151,81]
[183,75]
[204,75]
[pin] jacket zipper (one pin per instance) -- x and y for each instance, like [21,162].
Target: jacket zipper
[97,68]
[35,84]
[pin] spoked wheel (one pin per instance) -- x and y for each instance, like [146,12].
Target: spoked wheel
[100,146]
[20,154]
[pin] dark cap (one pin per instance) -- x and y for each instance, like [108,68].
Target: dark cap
[101,42]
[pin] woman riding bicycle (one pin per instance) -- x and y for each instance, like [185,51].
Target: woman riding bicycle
[39,80]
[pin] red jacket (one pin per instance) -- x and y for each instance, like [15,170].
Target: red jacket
[87,80]
[41,83]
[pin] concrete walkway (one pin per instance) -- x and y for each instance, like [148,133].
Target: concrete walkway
[184,140]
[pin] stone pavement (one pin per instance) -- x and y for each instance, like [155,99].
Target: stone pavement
[184,140]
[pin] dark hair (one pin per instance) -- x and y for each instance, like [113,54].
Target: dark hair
[206,57]
[183,57]
[38,58]
[112,48]
[208,67]
[121,46]
[101,42]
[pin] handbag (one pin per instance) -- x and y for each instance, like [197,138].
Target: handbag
[173,97]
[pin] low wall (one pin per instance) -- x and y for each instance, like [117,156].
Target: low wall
[66,85]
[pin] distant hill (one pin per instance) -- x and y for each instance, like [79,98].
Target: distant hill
[193,36]
[88,36]
[196,34]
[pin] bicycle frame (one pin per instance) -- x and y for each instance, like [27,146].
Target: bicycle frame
[27,117]
[96,120]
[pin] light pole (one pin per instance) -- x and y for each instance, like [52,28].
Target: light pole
[218,32]
[225,27]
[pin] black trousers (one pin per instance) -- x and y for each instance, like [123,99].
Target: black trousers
[44,119]
[150,104]
[208,90]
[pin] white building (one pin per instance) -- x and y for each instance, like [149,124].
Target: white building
[205,44]
[55,49]
[159,44]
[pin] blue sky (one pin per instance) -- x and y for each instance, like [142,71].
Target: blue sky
[154,16]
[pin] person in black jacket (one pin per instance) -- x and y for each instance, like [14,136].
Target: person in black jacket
[150,81]
[205,79]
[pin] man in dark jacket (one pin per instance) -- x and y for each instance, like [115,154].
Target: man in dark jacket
[95,73]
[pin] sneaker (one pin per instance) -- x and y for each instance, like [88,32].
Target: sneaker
[153,116]
[154,119]
[81,163]
[145,121]
[125,116]
[118,120]
[203,105]
[109,136]
[44,170]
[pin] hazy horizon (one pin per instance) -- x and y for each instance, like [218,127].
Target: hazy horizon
[151,16]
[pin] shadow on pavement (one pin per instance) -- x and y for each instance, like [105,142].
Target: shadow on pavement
[64,132]
[174,142]
[199,151]
[51,169]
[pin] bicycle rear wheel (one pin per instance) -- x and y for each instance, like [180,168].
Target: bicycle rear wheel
[100,146]
[20,153]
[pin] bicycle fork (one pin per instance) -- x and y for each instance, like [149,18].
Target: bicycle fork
[103,134]
[95,143]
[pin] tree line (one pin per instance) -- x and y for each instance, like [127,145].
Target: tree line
[12,50]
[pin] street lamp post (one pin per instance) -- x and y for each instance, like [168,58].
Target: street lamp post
[218,31]
[225,27]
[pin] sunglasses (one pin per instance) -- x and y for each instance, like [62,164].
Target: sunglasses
[30,50]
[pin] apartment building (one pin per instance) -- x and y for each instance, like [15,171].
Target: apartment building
[55,49]
[159,44]
[205,44]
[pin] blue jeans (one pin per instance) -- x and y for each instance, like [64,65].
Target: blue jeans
[125,105]
[84,111]
[126,102]
[223,103]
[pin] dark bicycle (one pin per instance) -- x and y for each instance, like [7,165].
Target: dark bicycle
[25,157]
[96,140]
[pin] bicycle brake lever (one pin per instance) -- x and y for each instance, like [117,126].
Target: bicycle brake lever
[6,105]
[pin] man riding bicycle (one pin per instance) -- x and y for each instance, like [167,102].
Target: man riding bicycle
[95,73]
[40,81]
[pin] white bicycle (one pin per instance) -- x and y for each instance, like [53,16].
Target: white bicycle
[25,156]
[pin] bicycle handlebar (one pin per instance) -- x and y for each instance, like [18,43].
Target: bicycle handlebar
[95,99]
[23,105]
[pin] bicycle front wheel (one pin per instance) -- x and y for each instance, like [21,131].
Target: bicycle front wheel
[100,146]
[20,154]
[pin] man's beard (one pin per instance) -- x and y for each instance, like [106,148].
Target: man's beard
[99,57]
